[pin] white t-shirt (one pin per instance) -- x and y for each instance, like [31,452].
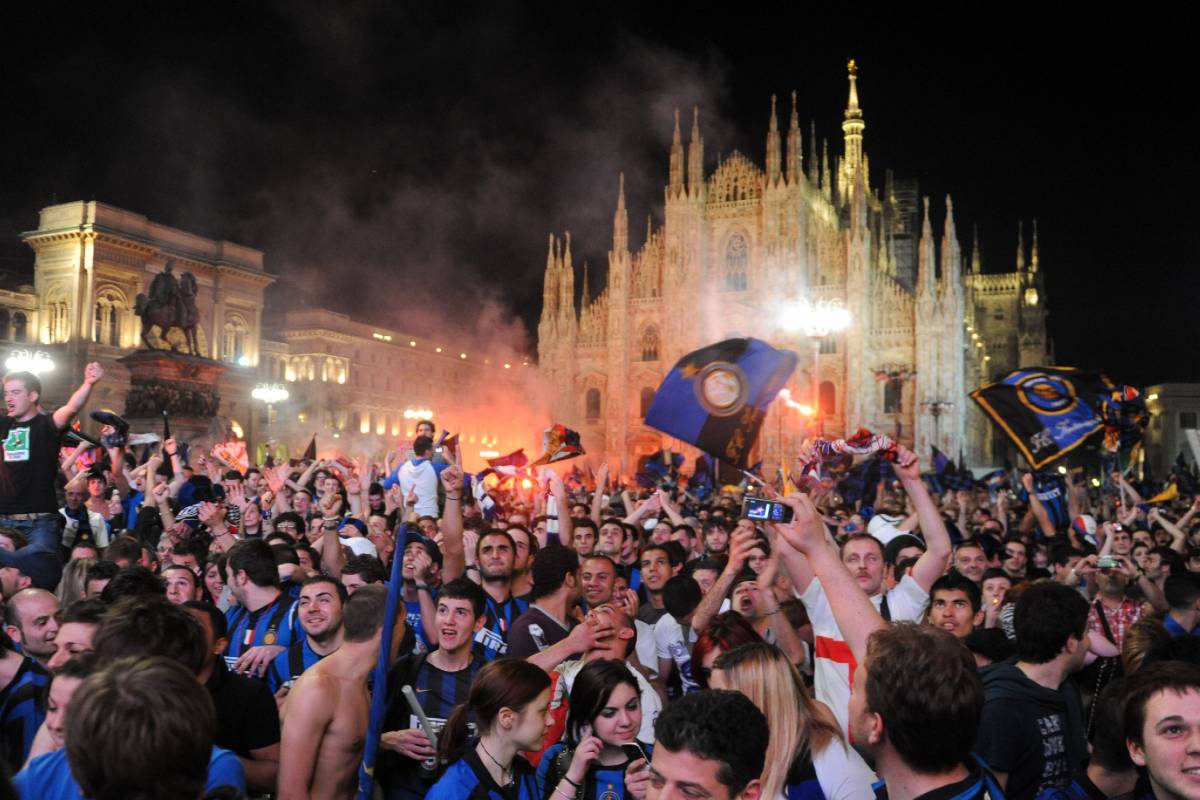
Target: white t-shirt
[645,650]
[842,773]
[884,528]
[422,477]
[669,642]
[832,659]
[651,702]
[359,545]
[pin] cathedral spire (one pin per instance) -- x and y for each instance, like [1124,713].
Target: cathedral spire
[773,161]
[1020,246]
[976,257]
[566,295]
[852,128]
[795,164]
[649,227]
[826,177]
[951,252]
[926,264]
[550,283]
[1033,258]
[675,183]
[695,157]
[814,165]
[587,294]
[620,220]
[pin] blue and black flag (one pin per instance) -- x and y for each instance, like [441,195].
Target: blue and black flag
[716,398]
[1046,411]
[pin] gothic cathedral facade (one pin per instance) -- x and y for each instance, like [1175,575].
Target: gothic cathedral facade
[739,249]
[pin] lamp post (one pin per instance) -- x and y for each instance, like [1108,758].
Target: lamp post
[816,320]
[271,394]
[937,408]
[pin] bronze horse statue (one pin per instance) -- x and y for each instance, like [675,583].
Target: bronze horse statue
[174,308]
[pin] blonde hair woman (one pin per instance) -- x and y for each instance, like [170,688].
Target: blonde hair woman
[71,585]
[806,744]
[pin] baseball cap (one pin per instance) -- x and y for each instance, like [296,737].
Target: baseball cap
[893,548]
[1085,526]
[413,534]
[41,566]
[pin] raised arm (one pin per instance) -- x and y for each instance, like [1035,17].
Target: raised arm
[933,561]
[1036,508]
[453,557]
[710,604]
[563,510]
[669,507]
[66,412]
[856,617]
[598,497]
[1178,537]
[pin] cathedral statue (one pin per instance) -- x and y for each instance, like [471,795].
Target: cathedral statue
[171,304]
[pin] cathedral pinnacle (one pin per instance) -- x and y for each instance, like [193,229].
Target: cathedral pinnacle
[675,179]
[695,157]
[1020,246]
[587,295]
[1033,258]
[852,127]
[621,220]
[773,165]
[852,109]
[976,256]
[795,167]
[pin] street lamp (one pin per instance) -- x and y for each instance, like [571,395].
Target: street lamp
[29,361]
[817,320]
[271,394]
[937,408]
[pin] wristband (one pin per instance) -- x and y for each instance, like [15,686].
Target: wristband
[453,497]
[470,567]
[568,780]
[423,587]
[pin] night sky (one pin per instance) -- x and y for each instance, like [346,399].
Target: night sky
[424,155]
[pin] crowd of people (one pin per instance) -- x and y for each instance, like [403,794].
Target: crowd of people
[177,627]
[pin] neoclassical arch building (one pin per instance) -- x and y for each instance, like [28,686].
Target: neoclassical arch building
[739,247]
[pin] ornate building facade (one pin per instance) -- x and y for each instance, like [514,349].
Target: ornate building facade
[739,248]
[358,387]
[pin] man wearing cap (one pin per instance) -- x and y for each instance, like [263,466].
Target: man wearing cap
[899,550]
[555,590]
[30,447]
[421,572]
[25,568]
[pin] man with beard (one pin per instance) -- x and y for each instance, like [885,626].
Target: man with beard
[1119,611]
[548,620]
[320,613]
[526,549]
[495,553]
[442,680]
[259,628]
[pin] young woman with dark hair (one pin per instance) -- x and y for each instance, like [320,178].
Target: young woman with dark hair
[510,701]
[601,756]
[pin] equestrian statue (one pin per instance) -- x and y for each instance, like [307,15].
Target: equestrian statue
[171,304]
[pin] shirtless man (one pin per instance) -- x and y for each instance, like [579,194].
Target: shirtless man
[326,714]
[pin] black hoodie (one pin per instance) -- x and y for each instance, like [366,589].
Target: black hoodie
[1034,734]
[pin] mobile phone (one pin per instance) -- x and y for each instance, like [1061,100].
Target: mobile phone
[767,510]
[633,751]
[1116,526]
[1108,562]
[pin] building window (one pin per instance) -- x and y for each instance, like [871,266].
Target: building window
[237,337]
[1187,420]
[647,400]
[650,344]
[593,404]
[828,345]
[893,394]
[737,257]
[4,321]
[58,323]
[828,399]
[20,324]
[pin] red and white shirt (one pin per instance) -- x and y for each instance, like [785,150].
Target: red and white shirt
[833,663]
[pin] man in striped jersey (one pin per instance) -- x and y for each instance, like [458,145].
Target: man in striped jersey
[260,627]
[319,610]
[441,680]
[22,703]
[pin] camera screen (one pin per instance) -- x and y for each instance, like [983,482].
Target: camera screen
[764,509]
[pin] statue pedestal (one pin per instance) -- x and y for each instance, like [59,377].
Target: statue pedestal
[184,386]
